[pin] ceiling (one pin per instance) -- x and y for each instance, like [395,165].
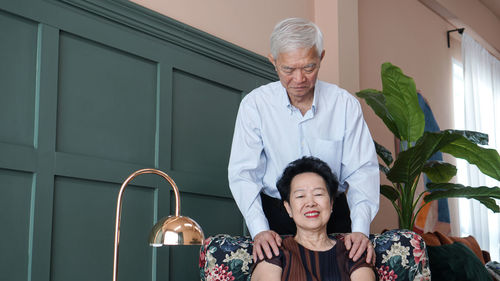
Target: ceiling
[493,5]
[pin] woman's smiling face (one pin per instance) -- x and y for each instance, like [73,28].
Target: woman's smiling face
[310,204]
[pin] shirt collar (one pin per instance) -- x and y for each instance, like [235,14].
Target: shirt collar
[286,100]
[284,97]
[314,106]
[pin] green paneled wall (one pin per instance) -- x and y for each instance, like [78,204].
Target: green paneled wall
[91,91]
[106,99]
[194,135]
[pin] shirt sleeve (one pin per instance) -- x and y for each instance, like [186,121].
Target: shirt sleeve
[247,165]
[360,170]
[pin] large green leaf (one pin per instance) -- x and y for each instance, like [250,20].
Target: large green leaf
[439,171]
[410,163]
[376,100]
[490,203]
[487,160]
[389,192]
[478,191]
[402,102]
[383,153]
[483,194]
[475,137]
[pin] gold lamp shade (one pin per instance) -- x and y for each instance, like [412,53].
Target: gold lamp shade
[176,230]
[171,230]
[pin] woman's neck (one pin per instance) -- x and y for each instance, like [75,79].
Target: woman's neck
[314,240]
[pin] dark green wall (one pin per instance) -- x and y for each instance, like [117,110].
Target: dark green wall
[91,91]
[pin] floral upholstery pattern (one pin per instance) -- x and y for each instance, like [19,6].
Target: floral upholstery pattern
[400,255]
[226,258]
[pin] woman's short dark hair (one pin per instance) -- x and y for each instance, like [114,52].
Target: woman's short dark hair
[304,165]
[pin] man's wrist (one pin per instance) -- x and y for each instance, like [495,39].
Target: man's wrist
[361,226]
[257,226]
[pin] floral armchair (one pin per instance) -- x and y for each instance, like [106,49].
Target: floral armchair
[401,255]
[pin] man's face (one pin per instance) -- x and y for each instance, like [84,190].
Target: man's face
[298,70]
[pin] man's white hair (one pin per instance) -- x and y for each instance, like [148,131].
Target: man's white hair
[295,33]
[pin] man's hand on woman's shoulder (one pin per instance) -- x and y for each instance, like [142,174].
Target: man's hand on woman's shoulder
[357,243]
[266,243]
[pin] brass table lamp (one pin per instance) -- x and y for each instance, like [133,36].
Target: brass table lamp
[171,230]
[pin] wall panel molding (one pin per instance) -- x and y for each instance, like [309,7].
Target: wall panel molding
[168,29]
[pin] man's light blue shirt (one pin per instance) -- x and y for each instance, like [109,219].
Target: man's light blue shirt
[270,133]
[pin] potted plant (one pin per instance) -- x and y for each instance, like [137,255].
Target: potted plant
[397,106]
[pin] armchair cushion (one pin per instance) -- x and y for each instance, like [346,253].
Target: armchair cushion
[437,238]
[462,266]
[400,255]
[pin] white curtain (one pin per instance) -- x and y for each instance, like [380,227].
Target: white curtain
[481,113]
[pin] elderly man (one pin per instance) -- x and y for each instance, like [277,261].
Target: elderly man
[302,116]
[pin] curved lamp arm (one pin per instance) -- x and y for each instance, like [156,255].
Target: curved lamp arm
[162,226]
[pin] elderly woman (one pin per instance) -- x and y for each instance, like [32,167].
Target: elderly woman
[307,188]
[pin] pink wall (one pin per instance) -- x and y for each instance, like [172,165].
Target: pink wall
[475,17]
[247,24]
[325,16]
